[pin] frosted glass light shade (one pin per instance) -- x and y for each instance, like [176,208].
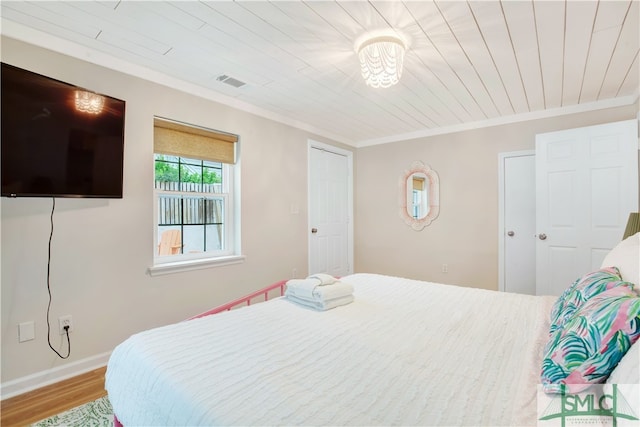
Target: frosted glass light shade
[381,60]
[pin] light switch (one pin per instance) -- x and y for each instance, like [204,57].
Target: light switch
[26,331]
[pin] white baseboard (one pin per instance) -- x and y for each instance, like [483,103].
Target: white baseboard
[50,376]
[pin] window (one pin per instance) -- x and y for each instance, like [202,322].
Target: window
[194,194]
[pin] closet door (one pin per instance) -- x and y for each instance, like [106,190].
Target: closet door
[329,212]
[517,246]
[586,186]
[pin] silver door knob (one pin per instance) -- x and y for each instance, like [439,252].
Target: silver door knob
[510,233]
[542,236]
[314,230]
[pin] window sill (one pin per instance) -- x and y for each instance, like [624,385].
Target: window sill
[198,264]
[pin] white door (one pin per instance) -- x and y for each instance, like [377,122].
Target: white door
[586,185]
[329,211]
[518,222]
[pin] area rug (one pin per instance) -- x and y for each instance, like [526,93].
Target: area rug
[98,413]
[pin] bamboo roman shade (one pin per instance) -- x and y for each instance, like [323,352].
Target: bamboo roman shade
[177,139]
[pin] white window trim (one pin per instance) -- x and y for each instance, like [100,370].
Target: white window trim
[195,264]
[232,237]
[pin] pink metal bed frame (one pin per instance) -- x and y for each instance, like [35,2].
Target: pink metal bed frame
[246,300]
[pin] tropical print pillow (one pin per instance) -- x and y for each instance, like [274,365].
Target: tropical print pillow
[580,291]
[592,342]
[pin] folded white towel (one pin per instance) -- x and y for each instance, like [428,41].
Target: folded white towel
[321,305]
[325,279]
[319,293]
[303,287]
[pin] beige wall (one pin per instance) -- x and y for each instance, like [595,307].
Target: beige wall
[465,235]
[102,248]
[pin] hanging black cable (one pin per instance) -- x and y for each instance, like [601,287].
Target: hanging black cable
[66,328]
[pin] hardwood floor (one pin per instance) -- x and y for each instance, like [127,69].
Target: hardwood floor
[44,402]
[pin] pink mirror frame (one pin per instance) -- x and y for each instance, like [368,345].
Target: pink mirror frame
[433,195]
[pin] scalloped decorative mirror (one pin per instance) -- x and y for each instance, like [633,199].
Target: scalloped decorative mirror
[419,196]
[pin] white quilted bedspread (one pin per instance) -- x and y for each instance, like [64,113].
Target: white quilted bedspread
[403,353]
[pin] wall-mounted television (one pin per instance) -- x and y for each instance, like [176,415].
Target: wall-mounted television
[58,139]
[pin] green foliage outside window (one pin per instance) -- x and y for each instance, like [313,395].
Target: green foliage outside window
[168,172]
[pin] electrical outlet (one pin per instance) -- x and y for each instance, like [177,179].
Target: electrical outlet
[294,273]
[445,268]
[65,321]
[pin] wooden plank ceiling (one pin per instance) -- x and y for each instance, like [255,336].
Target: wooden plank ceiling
[469,62]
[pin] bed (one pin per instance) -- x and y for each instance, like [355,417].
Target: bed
[405,352]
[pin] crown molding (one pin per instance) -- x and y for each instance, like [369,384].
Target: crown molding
[515,118]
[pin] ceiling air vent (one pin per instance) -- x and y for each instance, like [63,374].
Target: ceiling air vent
[230,81]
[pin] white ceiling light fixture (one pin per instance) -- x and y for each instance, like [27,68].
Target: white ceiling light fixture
[381,58]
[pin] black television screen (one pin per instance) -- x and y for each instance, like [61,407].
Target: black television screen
[59,139]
